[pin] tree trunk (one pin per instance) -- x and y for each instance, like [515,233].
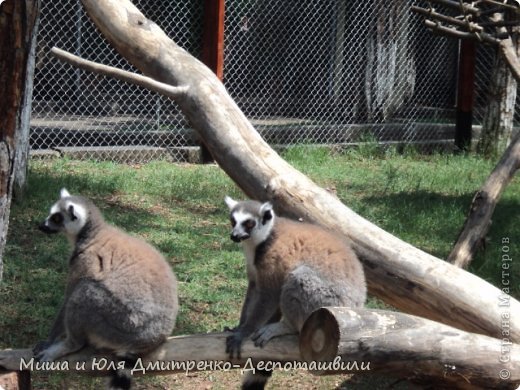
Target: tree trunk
[410,347]
[390,70]
[400,274]
[18,20]
[497,125]
[22,134]
[473,234]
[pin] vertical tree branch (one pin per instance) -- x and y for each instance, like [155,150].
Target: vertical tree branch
[477,224]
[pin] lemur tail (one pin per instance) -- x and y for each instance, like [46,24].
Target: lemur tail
[257,380]
[121,380]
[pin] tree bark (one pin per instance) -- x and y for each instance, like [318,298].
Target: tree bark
[390,68]
[18,20]
[22,134]
[400,274]
[410,347]
[474,231]
[497,125]
[509,51]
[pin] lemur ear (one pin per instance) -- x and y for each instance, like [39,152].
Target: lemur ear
[230,202]
[266,211]
[70,210]
[64,193]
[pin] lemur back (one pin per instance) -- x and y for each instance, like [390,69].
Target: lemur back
[121,294]
[293,244]
[293,268]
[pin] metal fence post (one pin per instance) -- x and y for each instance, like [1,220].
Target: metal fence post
[213,47]
[465,92]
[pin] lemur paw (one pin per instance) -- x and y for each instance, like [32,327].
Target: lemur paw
[262,336]
[267,332]
[44,356]
[52,352]
[40,346]
[43,351]
[234,344]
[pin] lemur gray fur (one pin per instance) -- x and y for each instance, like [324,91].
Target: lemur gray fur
[293,268]
[121,294]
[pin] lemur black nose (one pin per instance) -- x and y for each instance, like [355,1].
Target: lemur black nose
[236,238]
[46,229]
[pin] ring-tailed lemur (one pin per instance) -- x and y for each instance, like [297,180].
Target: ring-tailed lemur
[293,268]
[121,294]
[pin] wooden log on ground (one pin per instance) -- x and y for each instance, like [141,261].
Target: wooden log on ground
[477,224]
[179,354]
[368,341]
[398,273]
[411,347]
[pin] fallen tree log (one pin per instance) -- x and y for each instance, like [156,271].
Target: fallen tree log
[179,354]
[411,347]
[366,342]
[398,273]
[477,224]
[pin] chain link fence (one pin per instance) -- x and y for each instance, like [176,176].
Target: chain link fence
[84,115]
[322,72]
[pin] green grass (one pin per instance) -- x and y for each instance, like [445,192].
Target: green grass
[180,209]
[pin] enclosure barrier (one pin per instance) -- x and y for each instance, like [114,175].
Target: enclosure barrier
[335,74]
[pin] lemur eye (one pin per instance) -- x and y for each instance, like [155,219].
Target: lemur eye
[57,218]
[249,224]
[233,222]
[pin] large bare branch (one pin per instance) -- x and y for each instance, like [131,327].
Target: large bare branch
[483,205]
[400,274]
[123,75]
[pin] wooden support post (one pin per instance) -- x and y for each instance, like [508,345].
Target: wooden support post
[213,47]
[213,36]
[465,89]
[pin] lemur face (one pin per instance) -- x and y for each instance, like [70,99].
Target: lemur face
[250,220]
[67,215]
